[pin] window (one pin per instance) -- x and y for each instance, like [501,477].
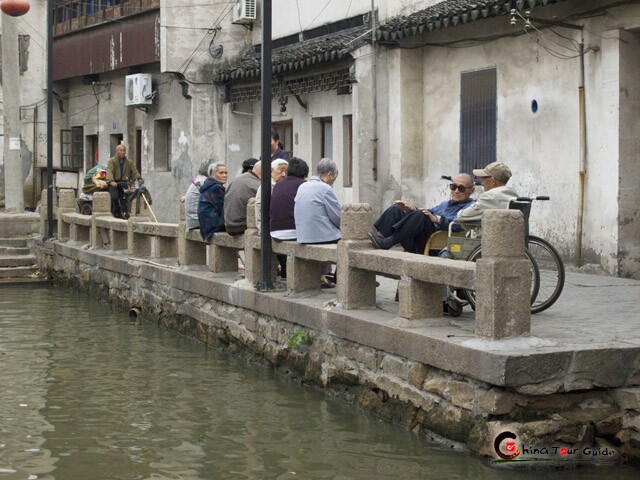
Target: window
[347,150]
[478,119]
[72,148]
[327,138]
[91,157]
[162,145]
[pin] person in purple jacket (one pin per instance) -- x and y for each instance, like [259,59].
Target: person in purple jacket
[282,222]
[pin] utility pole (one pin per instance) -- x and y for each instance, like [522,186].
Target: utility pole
[13,188]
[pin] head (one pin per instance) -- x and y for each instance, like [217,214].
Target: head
[275,139]
[462,187]
[494,175]
[248,164]
[218,171]
[203,169]
[298,168]
[121,151]
[327,170]
[279,169]
[257,169]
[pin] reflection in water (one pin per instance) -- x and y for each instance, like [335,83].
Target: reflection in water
[88,394]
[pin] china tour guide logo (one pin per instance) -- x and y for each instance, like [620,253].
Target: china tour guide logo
[510,447]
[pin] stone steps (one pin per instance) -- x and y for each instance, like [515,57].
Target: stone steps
[18,272]
[10,261]
[21,242]
[12,251]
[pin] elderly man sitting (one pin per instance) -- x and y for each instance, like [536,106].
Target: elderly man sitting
[243,188]
[411,227]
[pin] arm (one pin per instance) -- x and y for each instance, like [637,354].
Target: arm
[110,171]
[332,206]
[258,206]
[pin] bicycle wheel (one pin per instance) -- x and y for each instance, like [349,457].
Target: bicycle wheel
[551,271]
[535,278]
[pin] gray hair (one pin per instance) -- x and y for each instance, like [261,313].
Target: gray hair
[203,169]
[326,165]
[466,176]
[213,168]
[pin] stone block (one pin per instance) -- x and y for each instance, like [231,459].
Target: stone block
[79,233]
[496,402]
[101,203]
[503,293]
[137,243]
[497,244]
[118,240]
[628,398]
[599,368]
[164,247]
[394,365]
[191,252]
[222,259]
[67,199]
[356,287]
[461,394]
[302,275]
[417,374]
[355,221]
[419,299]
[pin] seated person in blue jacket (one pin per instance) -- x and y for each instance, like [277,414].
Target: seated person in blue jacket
[411,227]
[211,201]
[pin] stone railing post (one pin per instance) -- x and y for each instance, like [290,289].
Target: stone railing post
[66,204]
[43,213]
[252,256]
[503,277]
[356,288]
[101,206]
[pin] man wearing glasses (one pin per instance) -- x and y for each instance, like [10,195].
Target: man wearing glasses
[411,227]
[496,195]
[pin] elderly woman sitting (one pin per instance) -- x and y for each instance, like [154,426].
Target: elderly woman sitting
[211,201]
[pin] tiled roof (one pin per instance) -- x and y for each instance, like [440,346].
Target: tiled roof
[451,13]
[314,52]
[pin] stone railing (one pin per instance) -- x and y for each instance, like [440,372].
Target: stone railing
[501,278]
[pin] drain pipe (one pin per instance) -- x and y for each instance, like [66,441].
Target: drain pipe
[374,96]
[583,157]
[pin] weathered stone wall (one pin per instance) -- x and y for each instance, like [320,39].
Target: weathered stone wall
[425,399]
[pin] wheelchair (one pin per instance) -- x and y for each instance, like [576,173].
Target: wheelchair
[547,268]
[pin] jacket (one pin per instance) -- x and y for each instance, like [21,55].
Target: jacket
[129,170]
[191,202]
[282,203]
[238,194]
[316,212]
[211,208]
[495,199]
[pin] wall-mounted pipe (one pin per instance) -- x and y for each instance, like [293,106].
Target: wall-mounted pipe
[583,157]
[374,95]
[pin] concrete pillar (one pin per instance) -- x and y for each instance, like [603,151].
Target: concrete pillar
[356,288]
[302,274]
[222,259]
[43,214]
[67,202]
[13,182]
[101,207]
[503,277]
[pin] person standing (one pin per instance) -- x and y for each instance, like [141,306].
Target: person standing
[276,148]
[121,171]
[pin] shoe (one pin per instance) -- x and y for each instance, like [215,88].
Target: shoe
[445,308]
[324,285]
[377,241]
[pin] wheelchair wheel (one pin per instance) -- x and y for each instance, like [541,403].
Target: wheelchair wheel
[535,278]
[455,308]
[551,271]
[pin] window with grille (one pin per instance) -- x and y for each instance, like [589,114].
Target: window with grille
[478,119]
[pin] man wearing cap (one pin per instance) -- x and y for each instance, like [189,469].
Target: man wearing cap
[497,195]
[411,226]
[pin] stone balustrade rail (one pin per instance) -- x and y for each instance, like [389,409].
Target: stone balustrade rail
[501,278]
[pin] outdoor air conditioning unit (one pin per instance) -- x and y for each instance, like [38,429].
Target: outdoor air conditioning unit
[245,11]
[138,89]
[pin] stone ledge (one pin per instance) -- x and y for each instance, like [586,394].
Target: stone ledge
[530,372]
[112,223]
[222,239]
[77,219]
[156,229]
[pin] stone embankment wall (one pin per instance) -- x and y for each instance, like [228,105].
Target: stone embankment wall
[425,399]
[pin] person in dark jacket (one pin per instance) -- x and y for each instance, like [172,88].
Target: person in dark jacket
[276,148]
[211,201]
[283,224]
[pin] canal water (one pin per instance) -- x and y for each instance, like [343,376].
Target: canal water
[87,393]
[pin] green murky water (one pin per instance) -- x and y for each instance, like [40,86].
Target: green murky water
[85,393]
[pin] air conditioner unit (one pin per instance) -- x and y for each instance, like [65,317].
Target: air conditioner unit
[138,89]
[245,11]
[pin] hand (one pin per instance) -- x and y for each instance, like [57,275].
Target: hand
[408,207]
[431,216]
[140,181]
[113,184]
